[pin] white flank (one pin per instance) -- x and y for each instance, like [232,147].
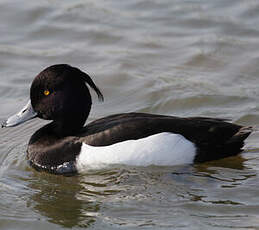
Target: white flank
[159,149]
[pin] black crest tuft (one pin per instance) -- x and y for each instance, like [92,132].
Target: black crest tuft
[90,82]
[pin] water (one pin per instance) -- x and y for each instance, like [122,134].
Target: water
[186,58]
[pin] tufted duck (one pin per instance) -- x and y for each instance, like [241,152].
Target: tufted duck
[64,146]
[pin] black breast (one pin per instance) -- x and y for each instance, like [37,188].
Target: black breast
[49,152]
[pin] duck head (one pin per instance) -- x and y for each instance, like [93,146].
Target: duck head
[58,93]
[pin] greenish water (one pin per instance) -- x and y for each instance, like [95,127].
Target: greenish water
[184,58]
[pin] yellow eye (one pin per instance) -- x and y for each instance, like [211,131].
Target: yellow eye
[46,92]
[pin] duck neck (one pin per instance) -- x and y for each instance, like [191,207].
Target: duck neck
[67,127]
[71,118]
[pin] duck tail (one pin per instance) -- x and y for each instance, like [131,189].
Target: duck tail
[235,144]
[231,144]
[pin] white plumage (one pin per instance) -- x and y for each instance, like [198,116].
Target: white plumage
[159,149]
